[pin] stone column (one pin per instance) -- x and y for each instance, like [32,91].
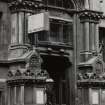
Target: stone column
[21,27]
[86,40]
[92,37]
[14,29]
[90,98]
[26,39]
[22,94]
[15,95]
[86,36]
[9,95]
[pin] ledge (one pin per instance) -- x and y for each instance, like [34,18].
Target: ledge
[92,83]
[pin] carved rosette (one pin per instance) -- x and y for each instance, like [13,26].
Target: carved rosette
[90,16]
[23,5]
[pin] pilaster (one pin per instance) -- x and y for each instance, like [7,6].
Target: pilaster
[20,10]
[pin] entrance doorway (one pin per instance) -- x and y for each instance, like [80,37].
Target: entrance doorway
[56,67]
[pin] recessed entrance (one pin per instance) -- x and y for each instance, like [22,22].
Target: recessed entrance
[56,67]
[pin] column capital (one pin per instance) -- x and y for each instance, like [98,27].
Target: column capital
[24,5]
[90,16]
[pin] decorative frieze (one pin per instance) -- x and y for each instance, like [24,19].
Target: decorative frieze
[90,80]
[90,16]
[90,76]
[24,5]
[27,76]
[91,73]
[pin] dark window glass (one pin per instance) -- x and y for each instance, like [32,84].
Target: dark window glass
[68,4]
[59,33]
[55,29]
[56,93]
[59,3]
[67,33]
[43,36]
[64,93]
[45,2]
[52,2]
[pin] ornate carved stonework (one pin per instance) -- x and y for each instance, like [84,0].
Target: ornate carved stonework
[91,73]
[23,5]
[32,73]
[27,76]
[35,62]
[91,16]
[90,79]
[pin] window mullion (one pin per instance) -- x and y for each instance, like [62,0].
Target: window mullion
[61,33]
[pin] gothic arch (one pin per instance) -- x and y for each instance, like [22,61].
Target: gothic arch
[78,4]
[69,4]
[74,3]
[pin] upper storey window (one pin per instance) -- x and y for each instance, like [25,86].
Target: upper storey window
[60,3]
[59,33]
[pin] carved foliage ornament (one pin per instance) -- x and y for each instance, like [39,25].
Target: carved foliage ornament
[24,4]
[27,76]
[90,15]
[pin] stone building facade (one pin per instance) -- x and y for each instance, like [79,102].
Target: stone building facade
[61,65]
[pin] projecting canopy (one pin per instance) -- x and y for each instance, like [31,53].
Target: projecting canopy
[38,22]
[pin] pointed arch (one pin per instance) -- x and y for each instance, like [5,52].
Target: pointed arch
[69,4]
[74,3]
[79,4]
